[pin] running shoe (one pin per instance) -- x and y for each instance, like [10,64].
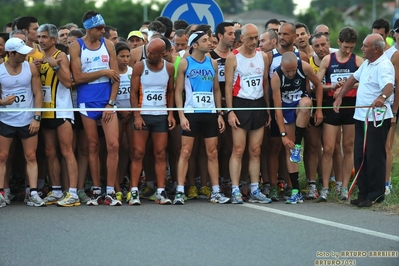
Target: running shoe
[162,198]
[344,193]
[2,200]
[312,192]
[218,197]
[258,197]
[179,198]
[192,192]
[323,195]
[236,197]
[205,192]
[111,200]
[153,197]
[287,193]
[69,200]
[35,201]
[52,198]
[134,198]
[147,192]
[296,154]
[95,198]
[119,196]
[83,198]
[265,189]
[274,194]
[295,198]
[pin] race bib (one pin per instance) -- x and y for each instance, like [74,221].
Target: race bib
[252,84]
[338,77]
[46,94]
[123,93]
[21,100]
[154,98]
[203,99]
[221,73]
[291,96]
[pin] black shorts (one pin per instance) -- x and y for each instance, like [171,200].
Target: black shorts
[345,115]
[205,123]
[155,123]
[53,123]
[78,124]
[250,119]
[8,131]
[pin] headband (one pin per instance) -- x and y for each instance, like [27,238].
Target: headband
[194,37]
[93,22]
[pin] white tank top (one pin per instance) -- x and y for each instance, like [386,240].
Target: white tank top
[21,86]
[154,86]
[248,76]
[123,96]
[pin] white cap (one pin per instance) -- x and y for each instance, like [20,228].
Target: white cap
[17,45]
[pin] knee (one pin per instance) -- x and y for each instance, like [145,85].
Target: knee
[138,154]
[212,154]
[160,154]
[185,154]
[30,156]
[238,151]
[3,157]
[50,152]
[255,151]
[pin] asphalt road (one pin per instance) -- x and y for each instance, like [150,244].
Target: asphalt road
[198,233]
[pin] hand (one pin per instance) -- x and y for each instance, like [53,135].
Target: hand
[138,122]
[34,127]
[379,102]
[107,115]
[171,122]
[287,142]
[37,63]
[53,62]
[233,120]
[337,91]
[112,74]
[318,117]
[126,116]
[185,125]
[337,103]
[237,26]
[8,100]
[221,123]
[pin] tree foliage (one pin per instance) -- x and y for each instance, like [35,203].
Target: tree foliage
[283,7]
[122,14]
[231,6]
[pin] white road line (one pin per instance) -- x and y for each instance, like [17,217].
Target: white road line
[323,222]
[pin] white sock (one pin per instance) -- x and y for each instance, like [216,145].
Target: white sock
[73,191]
[233,188]
[216,189]
[7,190]
[180,188]
[159,190]
[134,188]
[110,190]
[254,187]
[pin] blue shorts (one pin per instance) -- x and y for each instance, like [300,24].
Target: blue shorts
[290,114]
[95,115]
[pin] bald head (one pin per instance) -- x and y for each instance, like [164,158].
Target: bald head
[322,28]
[249,29]
[289,58]
[157,46]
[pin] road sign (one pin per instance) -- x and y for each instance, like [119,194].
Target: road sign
[194,12]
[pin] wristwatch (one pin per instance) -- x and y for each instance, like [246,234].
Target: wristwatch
[111,102]
[56,68]
[221,113]
[383,96]
[37,118]
[283,134]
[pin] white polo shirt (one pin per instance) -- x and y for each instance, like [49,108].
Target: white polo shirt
[373,77]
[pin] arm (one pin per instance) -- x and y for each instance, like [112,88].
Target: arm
[304,57]
[395,62]
[64,72]
[217,94]
[318,90]
[171,95]
[38,94]
[76,67]
[266,91]
[322,72]
[179,93]
[230,67]
[135,55]
[134,94]
[276,84]
[345,88]
[113,65]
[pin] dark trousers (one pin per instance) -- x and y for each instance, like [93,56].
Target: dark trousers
[371,179]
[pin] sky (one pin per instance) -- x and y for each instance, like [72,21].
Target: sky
[301,5]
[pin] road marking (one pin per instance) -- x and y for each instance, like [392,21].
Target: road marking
[324,222]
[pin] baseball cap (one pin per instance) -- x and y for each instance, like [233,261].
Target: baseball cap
[17,45]
[135,33]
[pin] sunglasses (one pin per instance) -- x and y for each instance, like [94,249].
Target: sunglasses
[101,27]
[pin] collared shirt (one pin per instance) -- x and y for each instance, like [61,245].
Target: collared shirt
[373,77]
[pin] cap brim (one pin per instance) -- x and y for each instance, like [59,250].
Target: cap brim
[25,50]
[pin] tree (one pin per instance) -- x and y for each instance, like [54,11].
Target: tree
[231,6]
[283,7]
[321,5]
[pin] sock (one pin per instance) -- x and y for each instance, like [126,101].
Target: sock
[180,188]
[7,190]
[73,191]
[216,189]
[159,190]
[339,183]
[254,187]
[27,190]
[150,184]
[33,191]
[134,189]
[110,190]
[56,191]
[294,180]
[233,188]
[96,190]
[299,131]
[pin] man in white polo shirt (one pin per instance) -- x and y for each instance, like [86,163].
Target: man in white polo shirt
[376,78]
